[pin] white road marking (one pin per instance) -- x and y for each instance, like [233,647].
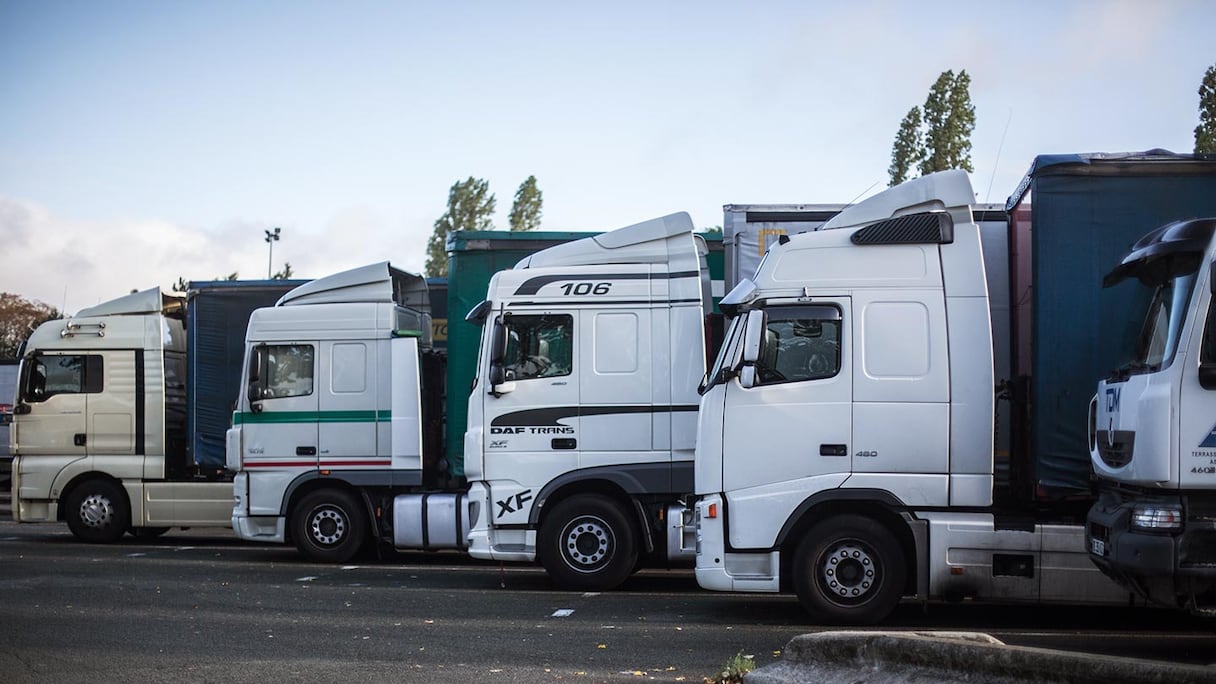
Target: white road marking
[563,612]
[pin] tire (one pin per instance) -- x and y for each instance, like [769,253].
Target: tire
[148,533]
[587,544]
[329,526]
[97,511]
[849,570]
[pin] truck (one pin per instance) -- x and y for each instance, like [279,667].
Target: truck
[474,256]
[581,414]
[1152,441]
[849,447]
[120,411]
[1153,527]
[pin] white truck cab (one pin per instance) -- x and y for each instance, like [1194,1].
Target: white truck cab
[99,431]
[582,421]
[1153,426]
[847,428]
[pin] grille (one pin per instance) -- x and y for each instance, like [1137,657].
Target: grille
[1116,447]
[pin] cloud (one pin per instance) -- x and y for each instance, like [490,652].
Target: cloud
[72,264]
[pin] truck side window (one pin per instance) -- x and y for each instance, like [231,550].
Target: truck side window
[69,374]
[800,343]
[289,370]
[539,346]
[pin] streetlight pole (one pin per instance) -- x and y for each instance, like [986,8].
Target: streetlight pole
[271,238]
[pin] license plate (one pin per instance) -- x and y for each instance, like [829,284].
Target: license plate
[1097,546]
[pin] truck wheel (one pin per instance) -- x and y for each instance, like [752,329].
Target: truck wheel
[97,511]
[587,544]
[328,526]
[849,570]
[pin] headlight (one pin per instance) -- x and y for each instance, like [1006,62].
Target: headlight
[1157,517]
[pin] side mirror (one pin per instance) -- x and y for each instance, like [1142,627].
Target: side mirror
[1207,375]
[747,376]
[500,383]
[498,341]
[753,336]
[255,365]
[254,384]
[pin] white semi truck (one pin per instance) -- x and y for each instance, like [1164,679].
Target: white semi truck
[847,428]
[1152,426]
[582,417]
[121,410]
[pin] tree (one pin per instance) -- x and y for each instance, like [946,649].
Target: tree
[525,211]
[949,119]
[18,318]
[285,274]
[937,136]
[908,149]
[470,207]
[1205,132]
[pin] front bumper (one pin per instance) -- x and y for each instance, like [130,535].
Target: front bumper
[495,543]
[722,570]
[1173,569]
[259,528]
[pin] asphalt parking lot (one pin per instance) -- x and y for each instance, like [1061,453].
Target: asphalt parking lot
[200,605]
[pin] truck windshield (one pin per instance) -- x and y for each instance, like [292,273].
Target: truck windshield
[1157,341]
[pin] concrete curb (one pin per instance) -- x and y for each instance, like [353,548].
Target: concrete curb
[955,657]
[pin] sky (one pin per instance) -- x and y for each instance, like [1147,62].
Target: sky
[143,141]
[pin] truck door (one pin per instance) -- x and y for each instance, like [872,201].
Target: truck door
[791,429]
[111,407]
[280,428]
[348,407]
[617,420]
[1196,441]
[901,388]
[533,422]
[51,414]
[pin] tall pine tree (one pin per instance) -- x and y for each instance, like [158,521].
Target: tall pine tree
[526,210]
[949,121]
[937,136]
[908,150]
[1205,132]
[470,207]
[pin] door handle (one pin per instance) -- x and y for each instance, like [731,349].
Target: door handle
[564,443]
[306,451]
[78,439]
[833,449]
